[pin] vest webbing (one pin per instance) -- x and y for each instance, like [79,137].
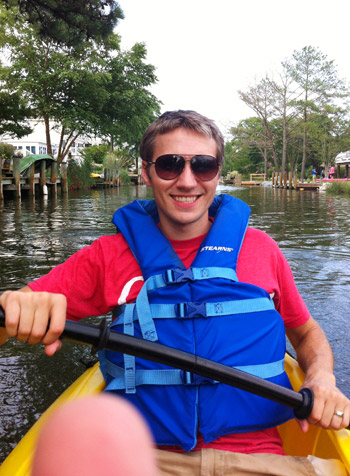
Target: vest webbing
[203,310]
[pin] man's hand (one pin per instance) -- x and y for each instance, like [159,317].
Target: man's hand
[28,314]
[328,400]
[331,408]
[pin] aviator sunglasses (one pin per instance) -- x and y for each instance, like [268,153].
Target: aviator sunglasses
[170,166]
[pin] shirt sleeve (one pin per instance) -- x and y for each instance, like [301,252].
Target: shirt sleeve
[261,262]
[95,279]
[82,280]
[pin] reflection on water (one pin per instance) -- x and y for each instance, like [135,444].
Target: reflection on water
[311,228]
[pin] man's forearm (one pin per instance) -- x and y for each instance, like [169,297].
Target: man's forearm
[312,348]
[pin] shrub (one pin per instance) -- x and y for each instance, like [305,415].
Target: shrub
[96,153]
[79,175]
[124,177]
[339,188]
[6,151]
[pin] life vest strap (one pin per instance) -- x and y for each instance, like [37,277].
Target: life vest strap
[190,310]
[180,275]
[129,360]
[181,377]
[144,315]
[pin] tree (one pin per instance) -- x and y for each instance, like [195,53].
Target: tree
[71,87]
[95,153]
[248,149]
[13,115]
[318,80]
[261,98]
[70,22]
[130,107]
[285,94]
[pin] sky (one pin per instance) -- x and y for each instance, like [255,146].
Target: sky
[205,52]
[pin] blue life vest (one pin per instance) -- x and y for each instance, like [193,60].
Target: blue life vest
[203,310]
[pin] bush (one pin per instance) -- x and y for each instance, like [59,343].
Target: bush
[6,151]
[79,175]
[339,188]
[96,153]
[124,177]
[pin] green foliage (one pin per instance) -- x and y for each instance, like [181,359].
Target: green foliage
[244,152]
[124,177]
[95,153]
[302,118]
[118,160]
[320,91]
[339,188]
[79,174]
[13,114]
[6,151]
[130,107]
[70,22]
[86,89]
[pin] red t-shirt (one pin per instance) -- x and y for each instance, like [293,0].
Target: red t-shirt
[105,274]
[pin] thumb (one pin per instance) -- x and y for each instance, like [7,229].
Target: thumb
[304,425]
[50,349]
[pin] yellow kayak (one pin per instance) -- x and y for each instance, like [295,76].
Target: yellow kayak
[317,442]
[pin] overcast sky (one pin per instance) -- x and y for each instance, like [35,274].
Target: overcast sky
[205,51]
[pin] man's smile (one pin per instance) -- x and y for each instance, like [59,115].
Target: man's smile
[185,198]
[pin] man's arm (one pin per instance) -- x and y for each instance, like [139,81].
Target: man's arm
[28,314]
[316,359]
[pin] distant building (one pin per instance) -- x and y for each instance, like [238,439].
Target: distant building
[35,143]
[343,158]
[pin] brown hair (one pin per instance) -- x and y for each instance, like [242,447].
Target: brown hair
[171,120]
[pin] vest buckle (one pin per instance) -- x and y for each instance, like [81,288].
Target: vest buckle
[178,275]
[191,310]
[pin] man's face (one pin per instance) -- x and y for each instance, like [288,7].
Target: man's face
[184,201]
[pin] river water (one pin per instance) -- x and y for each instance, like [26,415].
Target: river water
[311,228]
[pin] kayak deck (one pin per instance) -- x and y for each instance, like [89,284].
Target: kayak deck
[317,442]
[326,444]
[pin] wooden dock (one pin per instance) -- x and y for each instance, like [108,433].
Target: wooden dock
[255,180]
[307,186]
[112,179]
[290,181]
[41,175]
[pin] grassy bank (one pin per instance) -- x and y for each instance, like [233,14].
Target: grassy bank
[339,188]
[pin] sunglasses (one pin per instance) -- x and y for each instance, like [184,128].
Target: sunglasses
[170,166]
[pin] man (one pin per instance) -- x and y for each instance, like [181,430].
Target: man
[182,155]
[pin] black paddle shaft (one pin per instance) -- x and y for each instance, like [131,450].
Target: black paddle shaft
[102,337]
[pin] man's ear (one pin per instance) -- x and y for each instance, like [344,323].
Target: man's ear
[145,174]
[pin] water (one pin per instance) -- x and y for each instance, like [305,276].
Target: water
[311,228]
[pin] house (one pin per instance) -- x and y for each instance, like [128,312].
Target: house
[35,143]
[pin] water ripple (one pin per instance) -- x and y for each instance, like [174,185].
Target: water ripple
[312,230]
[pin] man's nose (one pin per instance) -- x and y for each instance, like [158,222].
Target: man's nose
[187,177]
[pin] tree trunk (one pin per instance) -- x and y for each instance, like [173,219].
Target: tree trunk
[284,139]
[48,136]
[303,162]
[269,135]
